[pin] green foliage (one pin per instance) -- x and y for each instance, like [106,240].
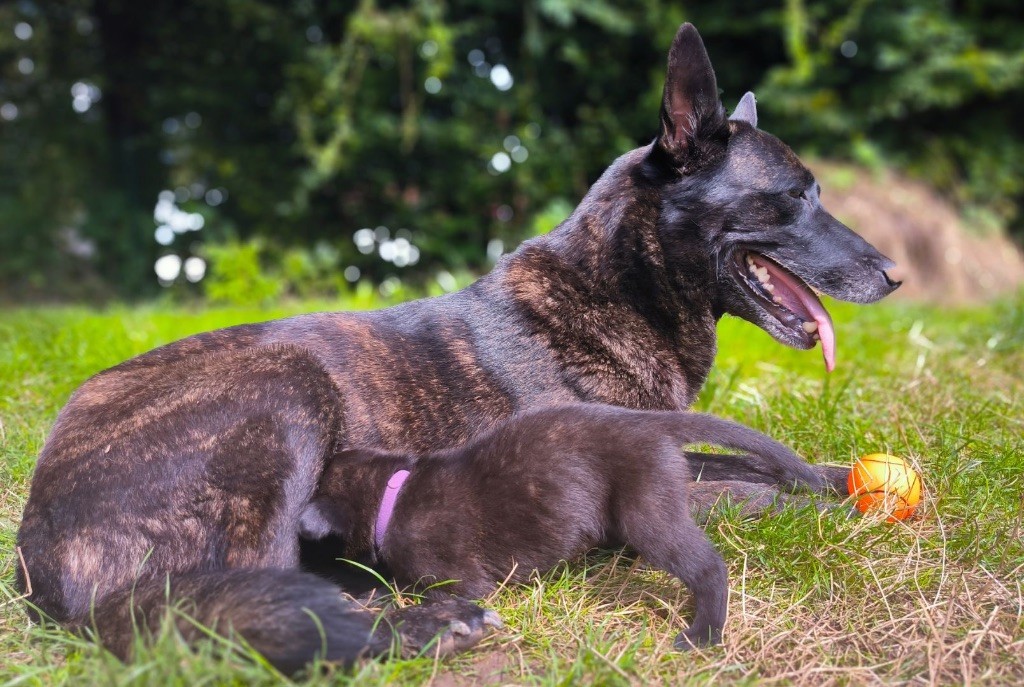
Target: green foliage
[315,272]
[319,119]
[550,216]
[237,276]
[920,84]
[253,272]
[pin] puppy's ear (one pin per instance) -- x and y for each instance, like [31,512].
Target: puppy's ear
[746,110]
[692,116]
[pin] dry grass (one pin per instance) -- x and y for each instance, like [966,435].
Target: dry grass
[910,617]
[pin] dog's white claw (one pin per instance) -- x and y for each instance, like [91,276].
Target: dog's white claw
[492,619]
[460,628]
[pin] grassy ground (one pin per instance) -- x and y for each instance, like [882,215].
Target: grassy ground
[815,599]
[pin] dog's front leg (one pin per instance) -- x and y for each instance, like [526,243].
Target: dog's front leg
[752,499]
[717,467]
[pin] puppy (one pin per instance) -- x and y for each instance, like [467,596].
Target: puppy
[542,487]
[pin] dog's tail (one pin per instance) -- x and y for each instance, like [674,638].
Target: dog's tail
[768,461]
[290,617]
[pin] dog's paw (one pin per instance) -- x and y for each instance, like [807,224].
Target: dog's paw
[444,627]
[833,478]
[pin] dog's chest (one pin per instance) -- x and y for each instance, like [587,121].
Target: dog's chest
[635,367]
[608,352]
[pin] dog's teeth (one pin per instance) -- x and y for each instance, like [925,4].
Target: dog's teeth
[750,261]
[762,275]
[768,285]
[810,327]
[777,300]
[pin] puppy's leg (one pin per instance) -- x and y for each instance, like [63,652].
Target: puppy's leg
[674,543]
[834,477]
[653,517]
[712,467]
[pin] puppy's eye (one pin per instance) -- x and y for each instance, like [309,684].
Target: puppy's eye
[797,193]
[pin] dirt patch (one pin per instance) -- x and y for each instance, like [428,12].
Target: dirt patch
[492,668]
[939,259]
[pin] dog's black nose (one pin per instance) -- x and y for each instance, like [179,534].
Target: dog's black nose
[890,282]
[883,263]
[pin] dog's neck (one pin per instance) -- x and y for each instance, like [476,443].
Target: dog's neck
[631,317]
[352,491]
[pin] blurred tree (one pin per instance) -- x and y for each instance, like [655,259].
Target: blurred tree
[407,137]
[928,85]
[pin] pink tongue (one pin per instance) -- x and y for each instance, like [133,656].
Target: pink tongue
[799,299]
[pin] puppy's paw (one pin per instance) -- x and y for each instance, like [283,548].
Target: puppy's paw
[697,638]
[445,627]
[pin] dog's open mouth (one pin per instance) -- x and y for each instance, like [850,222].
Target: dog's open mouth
[789,300]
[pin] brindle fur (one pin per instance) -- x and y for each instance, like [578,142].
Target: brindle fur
[187,467]
[543,487]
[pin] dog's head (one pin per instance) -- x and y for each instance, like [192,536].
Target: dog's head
[757,209]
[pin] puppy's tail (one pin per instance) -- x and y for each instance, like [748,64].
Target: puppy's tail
[767,461]
[288,616]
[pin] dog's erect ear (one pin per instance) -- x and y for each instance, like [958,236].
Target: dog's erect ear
[690,107]
[746,111]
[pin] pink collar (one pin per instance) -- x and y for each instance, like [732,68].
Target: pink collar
[387,506]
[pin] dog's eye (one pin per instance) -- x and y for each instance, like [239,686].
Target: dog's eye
[797,193]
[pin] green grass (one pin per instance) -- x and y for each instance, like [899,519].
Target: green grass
[815,599]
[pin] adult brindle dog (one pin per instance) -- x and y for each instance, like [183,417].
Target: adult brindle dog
[187,468]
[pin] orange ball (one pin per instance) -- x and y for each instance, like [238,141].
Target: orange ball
[881,481]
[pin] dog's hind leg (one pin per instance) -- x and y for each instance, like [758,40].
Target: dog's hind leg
[762,459]
[445,625]
[716,467]
[181,485]
[289,616]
